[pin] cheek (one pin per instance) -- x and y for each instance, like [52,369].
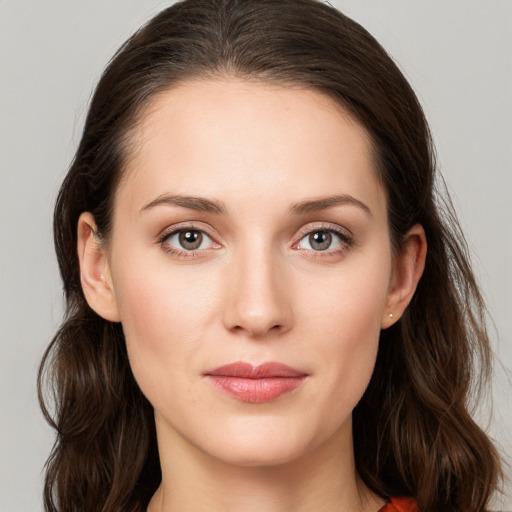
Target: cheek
[164,318]
[343,316]
[348,303]
[157,300]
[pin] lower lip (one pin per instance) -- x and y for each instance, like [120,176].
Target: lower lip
[256,391]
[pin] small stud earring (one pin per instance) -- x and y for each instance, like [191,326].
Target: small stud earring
[391,315]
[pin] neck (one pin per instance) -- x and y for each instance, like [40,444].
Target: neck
[324,479]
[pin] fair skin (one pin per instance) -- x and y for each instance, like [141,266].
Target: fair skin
[293,264]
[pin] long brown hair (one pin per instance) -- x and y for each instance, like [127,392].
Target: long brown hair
[413,434]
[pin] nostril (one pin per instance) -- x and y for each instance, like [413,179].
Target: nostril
[258,331]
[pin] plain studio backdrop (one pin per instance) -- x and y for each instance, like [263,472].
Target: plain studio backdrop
[457,55]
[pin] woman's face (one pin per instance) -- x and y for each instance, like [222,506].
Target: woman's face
[250,228]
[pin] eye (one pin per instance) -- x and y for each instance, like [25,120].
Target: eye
[324,240]
[187,240]
[319,241]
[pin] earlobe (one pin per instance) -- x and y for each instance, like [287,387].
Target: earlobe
[408,269]
[95,275]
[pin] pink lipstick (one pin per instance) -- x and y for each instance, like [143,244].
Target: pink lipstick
[256,384]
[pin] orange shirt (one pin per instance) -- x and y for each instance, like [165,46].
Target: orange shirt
[400,505]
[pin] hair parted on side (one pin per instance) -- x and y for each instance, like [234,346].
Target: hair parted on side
[413,433]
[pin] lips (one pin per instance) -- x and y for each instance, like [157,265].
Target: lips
[256,384]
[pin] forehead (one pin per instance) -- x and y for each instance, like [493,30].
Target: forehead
[242,141]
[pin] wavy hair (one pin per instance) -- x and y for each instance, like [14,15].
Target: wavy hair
[413,434]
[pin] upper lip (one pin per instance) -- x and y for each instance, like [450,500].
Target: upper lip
[241,369]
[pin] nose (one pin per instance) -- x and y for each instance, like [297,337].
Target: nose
[258,295]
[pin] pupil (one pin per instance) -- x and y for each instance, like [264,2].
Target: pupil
[320,240]
[190,239]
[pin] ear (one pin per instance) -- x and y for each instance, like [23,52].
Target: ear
[95,270]
[409,264]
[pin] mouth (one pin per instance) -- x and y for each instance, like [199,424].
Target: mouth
[256,384]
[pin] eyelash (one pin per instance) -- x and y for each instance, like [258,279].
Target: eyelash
[183,254]
[345,238]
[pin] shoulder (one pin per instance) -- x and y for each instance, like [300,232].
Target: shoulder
[400,505]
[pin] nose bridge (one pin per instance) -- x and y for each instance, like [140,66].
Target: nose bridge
[256,301]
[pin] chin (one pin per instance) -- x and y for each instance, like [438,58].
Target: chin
[267,452]
[266,442]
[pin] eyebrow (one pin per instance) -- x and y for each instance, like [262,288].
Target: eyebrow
[322,203]
[192,203]
[217,207]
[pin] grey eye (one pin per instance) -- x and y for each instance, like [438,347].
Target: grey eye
[320,240]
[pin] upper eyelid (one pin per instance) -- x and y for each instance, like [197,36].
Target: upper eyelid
[182,226]
[323,226]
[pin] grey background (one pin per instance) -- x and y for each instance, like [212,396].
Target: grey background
[457,55]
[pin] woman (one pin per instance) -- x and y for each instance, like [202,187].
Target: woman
[254,321]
